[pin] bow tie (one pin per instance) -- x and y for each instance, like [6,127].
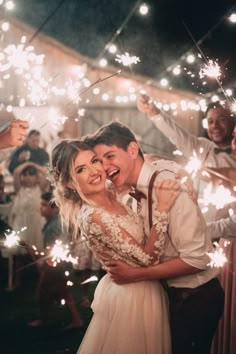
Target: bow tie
[218,150]
[137,195]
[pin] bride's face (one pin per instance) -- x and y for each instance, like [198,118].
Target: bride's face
[89,173]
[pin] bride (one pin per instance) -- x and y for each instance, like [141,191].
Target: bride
[131,318]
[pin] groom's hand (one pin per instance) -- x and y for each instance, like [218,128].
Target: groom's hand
[120,272]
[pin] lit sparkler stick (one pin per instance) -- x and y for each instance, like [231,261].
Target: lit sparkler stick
[212,70]
[85,90]
[13,239]
[126,59]
[217,257]
[61,252]
[219,198]
[92,278]
[194,165]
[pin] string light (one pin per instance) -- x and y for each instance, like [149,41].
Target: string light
[176,71]
[5,26]
[190,59]
[112,48]
[9,5]
[164,82]
[143,9]
[103,62]
[232,18]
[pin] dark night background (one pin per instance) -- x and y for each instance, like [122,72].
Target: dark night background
[159,39]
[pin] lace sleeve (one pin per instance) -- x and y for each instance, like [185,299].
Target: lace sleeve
[106,235]
[120,241]
[160,228]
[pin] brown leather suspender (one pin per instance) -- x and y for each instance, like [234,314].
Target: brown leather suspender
[150,187]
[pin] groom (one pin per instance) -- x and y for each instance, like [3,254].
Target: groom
[195,295]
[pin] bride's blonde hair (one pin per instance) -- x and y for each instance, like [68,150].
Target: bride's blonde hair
[63,178]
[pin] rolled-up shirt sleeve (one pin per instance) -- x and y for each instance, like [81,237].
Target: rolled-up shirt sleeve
[222,228]
[181,138]
[187,233]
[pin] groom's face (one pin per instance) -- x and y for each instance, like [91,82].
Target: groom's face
[117,163]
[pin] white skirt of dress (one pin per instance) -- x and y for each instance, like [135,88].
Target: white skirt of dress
[128,319]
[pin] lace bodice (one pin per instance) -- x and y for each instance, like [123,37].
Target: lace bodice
[111,236]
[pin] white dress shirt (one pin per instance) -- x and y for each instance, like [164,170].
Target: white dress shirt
[205,152]
[187,143]
[225,228]
[187,237]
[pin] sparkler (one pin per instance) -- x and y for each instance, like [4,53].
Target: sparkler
[212,70]
[218,198]
[217,257]
[126,59]
[92,278]
[61,252]
[12,238]
[194,165]
[233,106]
[19,58]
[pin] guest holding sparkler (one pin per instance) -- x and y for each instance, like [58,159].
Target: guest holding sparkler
[130,318]
[14,134]
[29,151]
[53,281]
[25,212]
[216,152]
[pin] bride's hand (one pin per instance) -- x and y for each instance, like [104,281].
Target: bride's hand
[167,192]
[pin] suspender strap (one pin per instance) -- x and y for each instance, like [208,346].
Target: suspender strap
[150,188]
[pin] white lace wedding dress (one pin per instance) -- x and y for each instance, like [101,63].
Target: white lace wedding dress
[131,318]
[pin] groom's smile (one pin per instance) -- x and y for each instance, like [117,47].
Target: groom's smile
[116,162]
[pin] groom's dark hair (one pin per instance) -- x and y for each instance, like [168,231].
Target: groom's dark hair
[113,133]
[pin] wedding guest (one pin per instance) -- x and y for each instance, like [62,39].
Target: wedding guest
[53,281]
[14,134]
[29,151]
[216,152]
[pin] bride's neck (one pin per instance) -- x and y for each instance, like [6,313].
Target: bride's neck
[101,200]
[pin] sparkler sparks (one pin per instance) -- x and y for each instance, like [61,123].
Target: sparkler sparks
[217,257]
[193,165]
[13,239]
[233,106]
[61,252]
[19,57]
[212,70]
[218,198]
[126,59]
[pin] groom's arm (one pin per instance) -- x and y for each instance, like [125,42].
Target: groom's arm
[122,273]
[187,233]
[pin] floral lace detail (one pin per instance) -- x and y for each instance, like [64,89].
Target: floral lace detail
[161,222]
[103,232]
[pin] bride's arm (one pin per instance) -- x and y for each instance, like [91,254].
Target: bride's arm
[114,236]
[167,192]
